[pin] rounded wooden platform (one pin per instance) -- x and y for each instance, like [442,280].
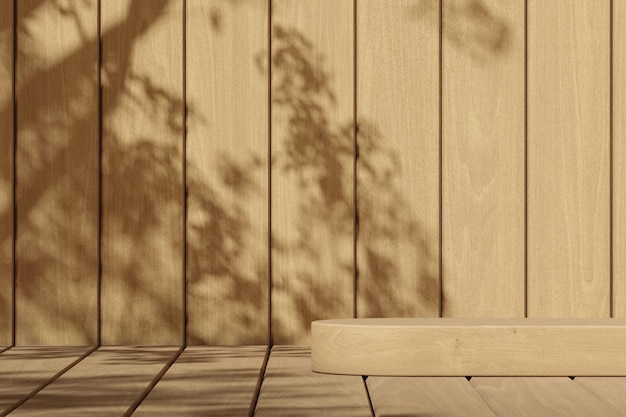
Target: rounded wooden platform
[470,347]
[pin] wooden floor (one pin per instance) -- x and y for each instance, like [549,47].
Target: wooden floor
[254,380]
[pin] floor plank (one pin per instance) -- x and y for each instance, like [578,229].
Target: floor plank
[609,389]
[290,388]
[25,369]
[106,383]
[426,396]
[215,381]
[540,397]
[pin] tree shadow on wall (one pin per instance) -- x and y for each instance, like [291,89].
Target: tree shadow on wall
[312,164]
[317,154]
[469,26]
[142,192]
[143,197]
[57,174]
[313,151]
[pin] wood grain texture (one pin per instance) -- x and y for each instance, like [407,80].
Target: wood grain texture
[398,162]
[227,153]
[483,159]
[142,180]
[107,382]
[568,158]
[207,381]
[57,174]
[291,389]
[24,369]
[460,347]
[6,171]
[417,396]
[609,389]
[619,157]
[539,397]
[312,165]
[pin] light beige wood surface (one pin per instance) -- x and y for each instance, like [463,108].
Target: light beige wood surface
[568,158]
[142,177]
[417,396]
[57,175]
[107,382]
[25,369]
[540,397]
[619,157]
[398,164]
[227,152]
[291,389]
[462,347]
[483,159]
[312,110]
[207,381]
[3,348]
[312,165]
[6,171]
[608,389]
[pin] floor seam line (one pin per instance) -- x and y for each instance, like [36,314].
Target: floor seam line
[144,394]
[260,380]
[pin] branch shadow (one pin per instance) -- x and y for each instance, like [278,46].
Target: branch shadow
[470,26]
[313,156]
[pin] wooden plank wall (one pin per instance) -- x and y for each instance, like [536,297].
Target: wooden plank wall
[225,171]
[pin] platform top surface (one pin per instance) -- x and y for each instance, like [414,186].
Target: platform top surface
[478,322]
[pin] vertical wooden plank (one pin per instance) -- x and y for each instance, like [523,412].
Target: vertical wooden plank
[619,157]
[142,181]
[312,165]
[227,142]
[291,389]
[568,158]
[57,174]
[6,171]
[483,159]
[208,381]
[398,160]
